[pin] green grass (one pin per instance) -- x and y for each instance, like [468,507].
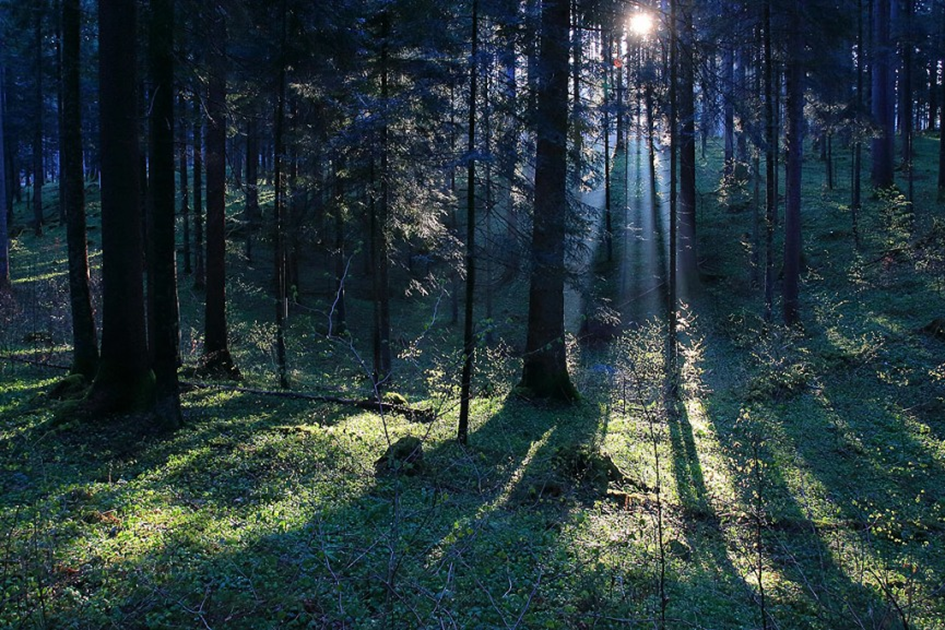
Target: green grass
[817,455]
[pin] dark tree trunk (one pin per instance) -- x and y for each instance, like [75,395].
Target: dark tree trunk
[883,92]
[216,359]
[608,197]
[5,191]
[771,151]
[184,192]
[469,339]
[688,258]
[252,182]
[281,188]
[380,208]
[84,337]
[39,177]
[59,113]
[165,318]
[941,142]
[795,162]
[199,251]
[124,380]
[545,370]
[728,85]
[339,321]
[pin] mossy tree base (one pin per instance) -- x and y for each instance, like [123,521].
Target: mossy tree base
[554,386]
[117,391]
[218,366]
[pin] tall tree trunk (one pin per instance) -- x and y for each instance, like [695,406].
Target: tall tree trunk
[672,296]
[728,132]
[883,102]
[124,380]
[184,192]
[165,311]
[199,251]
[339,322]
[857,192]
[771,151]
[59,113]
[605,106]
[941,126]
[84,337]
[216,357]
[39,176]
[5,191]
[282,302]
[469,339]
[688,258]
[379,219]
[795,162]
[545,369]
[252,182]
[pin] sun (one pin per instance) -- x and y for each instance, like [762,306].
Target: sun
[641,23]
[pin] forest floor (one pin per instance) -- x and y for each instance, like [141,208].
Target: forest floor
[801,486]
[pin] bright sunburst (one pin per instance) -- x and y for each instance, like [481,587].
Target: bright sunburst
[641,23]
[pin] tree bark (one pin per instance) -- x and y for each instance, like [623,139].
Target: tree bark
[545,369]
[281,189]
[795,162]
[688,257]
[771,150]
[124,380]
[469,339]
[200,282]
[216,358]
[184,192]
[39,177]
[5,191]
[883,101]
[162,275]
[84,336]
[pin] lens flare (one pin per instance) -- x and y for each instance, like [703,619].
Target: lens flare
[641,23]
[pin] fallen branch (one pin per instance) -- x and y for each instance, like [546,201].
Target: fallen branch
[413,413]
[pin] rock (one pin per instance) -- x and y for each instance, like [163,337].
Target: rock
[69,388]
[936,328]
[403,456]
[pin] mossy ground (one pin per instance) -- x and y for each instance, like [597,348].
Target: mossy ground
[807,464]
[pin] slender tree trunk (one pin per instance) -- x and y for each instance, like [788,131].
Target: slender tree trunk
[84,336]
[184,192]
[469,339]
[688,257]
[941,126]
[282,302]
[545,370]
[199,251]
[608,210]
[340,321]
[59,114]
[857,194]
[217,359]
[5,191]
[165,311]
[379,227]
[771,151]
[795,162]
[39,176]
[728,80]
[252,182]
[883,102]
[124,380]
[672,297]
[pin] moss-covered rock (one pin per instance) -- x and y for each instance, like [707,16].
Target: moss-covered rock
[405,456]
[71,387]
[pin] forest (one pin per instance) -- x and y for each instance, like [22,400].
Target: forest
[472,314]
